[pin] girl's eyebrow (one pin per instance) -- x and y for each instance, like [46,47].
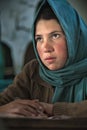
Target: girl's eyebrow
[37,35]
[56,32]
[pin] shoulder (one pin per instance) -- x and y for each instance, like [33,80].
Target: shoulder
[31,67]
[31,64]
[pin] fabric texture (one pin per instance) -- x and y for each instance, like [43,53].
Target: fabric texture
[29,85]
[70,83]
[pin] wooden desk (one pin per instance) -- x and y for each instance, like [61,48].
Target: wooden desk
[44,124]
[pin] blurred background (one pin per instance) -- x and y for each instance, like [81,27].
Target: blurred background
[16,18]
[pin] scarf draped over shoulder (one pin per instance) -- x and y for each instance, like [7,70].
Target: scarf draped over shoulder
[70,83]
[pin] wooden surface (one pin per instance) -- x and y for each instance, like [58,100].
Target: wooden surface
[44,124]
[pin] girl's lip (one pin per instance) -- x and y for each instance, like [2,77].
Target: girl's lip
[50,59]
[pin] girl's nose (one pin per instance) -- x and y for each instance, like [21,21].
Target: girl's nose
[47,46]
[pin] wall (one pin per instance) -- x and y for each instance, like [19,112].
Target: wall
[16,22]
[81,7]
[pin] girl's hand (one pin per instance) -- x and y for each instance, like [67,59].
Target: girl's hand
[47,108]
[22,108]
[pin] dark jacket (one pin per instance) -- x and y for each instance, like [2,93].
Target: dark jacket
[29,85]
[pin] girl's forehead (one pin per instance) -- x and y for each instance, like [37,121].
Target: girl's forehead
[47,26]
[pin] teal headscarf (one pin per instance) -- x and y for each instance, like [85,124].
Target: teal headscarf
[70,83]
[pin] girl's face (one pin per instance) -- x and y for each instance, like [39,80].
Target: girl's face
[51,44]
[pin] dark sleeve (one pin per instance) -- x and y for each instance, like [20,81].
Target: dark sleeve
[21,87]
[71,109]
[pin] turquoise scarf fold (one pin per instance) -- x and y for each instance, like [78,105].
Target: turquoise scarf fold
[70,83]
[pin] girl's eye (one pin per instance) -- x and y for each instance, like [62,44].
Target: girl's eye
[56,36]
[38,39]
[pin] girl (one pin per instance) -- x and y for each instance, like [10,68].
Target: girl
[56,83]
